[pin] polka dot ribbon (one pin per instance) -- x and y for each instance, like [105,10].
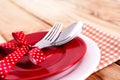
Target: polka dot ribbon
[21,47]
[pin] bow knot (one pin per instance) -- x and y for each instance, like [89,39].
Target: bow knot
[21,47]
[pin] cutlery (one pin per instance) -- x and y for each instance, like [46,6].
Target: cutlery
[68,34]
[54,39]
[22,47]
[65,36]
[50,37]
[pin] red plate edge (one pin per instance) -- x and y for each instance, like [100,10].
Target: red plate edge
[56,72]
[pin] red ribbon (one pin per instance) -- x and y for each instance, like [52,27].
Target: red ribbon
[21,48]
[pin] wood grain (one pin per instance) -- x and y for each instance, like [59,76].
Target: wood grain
[106,10]
[2,40]
[118,62]
[109,73]
[14,19]
[35,15]
[97,13]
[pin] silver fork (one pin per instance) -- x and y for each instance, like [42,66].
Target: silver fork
[50,37]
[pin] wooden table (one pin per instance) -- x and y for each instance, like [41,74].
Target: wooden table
[35,15]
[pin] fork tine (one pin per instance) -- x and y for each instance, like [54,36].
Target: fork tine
[50,31]
[53,32]
[50,37]
[56,33]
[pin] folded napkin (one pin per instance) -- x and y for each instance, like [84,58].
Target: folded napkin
[109,45]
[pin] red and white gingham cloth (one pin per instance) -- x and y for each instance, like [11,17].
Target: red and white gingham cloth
[109,45]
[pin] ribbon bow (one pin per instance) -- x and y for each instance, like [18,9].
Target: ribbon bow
[21,47]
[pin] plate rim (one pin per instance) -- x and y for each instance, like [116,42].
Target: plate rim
[77,71]
[46,76]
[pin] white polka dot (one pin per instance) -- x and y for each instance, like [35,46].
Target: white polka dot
[104,42]
[38,53]
[36,59]
[106,58]
[107,34]
[13,63]
[107,44]
[94,37]
[8,63]
[5,68]
[118,50]
[1,72]
[116,43]
[22,48]
[6,71]
[41,57]
[101,61]
[11,59]
[103,57]
[7,60]
[105,64]
[111,56]
[97,39]
[109,62]
[112,41]
[107,54]
[111,52]
[2,76]
[4,64]
[107,39]
[115,48]
[41,53]
[23,51]
[40,61]
[16,59]
[33,56]
[9,66]
[116,54]
[20,53]
[100,35]
[104,47]
[111,46]
[107,49]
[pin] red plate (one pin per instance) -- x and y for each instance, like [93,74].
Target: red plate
[58,59]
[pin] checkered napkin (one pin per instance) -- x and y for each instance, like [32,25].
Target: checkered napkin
[109,45]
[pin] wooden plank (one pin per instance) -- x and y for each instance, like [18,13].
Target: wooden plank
[106,10]
[109,73]
[2,40]
[13,18]
[67,12]
[118,62]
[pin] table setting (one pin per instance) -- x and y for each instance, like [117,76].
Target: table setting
[74,53]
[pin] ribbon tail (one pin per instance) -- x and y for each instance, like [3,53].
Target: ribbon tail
[9,45]
[10,61]
[20,37]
